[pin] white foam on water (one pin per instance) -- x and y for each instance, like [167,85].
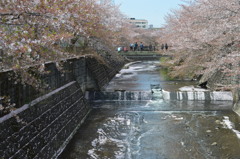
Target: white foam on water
[166,95]
[190,95]
[147,104]
[128,122]
[119,95]
[198,94]
[136,95]
[176,117]
[125,95]
[173,117]
[227,124]
[135,67]
[142,68]
[118,75]
[126,73]
[93,154]
[120,131]
[192,88]
[182,143]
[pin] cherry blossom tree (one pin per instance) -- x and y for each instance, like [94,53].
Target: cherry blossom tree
[205,36]
[31,30]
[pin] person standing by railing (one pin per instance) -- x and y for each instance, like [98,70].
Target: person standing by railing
[135,46]
[150,47]
[166,46]
[162,47]
[131,47]
[141,46]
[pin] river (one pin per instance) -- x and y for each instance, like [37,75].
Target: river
[155,128]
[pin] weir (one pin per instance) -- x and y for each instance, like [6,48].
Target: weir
[142,115]
[155,93]
[120,95]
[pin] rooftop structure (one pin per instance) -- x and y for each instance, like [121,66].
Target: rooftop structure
[140,23]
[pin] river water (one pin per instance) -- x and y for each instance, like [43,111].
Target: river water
[155,128]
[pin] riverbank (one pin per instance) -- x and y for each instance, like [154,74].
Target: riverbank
[214,81]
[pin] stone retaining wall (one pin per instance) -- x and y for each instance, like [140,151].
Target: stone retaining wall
[89,73]
[39,129]
[41,125]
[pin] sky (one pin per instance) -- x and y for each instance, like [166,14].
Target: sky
[152,10]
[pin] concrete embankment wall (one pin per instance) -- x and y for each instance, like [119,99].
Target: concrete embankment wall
[41,124]
[236,101]
[198,95]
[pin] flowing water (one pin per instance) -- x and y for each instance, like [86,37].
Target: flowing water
[129,121]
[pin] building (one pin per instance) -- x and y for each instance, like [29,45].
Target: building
[140,23]
[150,26]
[113,2]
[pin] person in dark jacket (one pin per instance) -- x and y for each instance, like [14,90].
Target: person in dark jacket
[135,46]
[162,47]
[150,47]
[141,46]
[166,46]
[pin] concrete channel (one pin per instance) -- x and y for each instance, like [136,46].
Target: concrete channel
[131,120]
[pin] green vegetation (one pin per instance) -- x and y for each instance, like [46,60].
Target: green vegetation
[165,61]
[165,74]
[170,65]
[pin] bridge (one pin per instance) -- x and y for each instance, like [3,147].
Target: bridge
[143,55]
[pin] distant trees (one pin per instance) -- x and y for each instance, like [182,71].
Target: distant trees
[206,36]
[31,31]
[146,36]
